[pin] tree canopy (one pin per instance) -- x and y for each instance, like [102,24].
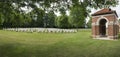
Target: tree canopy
[41,13]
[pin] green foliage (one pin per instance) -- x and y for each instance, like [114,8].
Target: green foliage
[51,19]
[89,23]
[41,16]
[104,3]
[19,20]
[62,21]
[1,19]
[62,11]
[78,15]
[27,20]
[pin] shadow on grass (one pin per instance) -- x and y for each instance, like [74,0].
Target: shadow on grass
[8,50]
[21,50]
[13,50]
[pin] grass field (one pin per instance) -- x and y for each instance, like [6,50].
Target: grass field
[80,44]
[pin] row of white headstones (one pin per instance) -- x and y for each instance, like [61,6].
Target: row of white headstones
[49,30]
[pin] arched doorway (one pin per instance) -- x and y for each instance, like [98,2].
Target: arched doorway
[102,28]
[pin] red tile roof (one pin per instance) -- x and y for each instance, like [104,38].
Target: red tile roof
[104,11]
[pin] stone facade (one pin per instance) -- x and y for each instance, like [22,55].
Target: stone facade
[105,24]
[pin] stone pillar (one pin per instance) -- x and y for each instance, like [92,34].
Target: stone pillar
[112,30]
[95,31]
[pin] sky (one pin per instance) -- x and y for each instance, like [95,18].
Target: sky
[117,8]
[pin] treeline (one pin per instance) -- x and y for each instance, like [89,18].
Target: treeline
[37,19]
[41,13]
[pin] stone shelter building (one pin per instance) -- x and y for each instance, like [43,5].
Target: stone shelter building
[105,24]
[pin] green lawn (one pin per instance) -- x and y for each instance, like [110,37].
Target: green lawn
[80,44]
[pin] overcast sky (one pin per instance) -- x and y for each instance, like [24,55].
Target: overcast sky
[117,8]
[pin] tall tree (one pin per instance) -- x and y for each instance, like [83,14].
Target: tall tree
[78,15]
[51,19]
[39,17]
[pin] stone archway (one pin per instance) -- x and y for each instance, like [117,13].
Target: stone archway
[102,28]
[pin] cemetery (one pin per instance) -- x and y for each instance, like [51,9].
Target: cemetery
[47,30]
[59,28]
[56,42]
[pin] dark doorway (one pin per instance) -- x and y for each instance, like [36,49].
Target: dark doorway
[102,27]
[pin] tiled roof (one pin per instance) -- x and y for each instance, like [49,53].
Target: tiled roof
[104,11]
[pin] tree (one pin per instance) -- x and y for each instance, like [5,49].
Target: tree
[27,20]
[13,13]
[62,21]
[78,15]
[1,20]
[51,19]
[89,22]
[40,17]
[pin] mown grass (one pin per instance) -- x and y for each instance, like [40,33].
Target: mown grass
[80,44]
